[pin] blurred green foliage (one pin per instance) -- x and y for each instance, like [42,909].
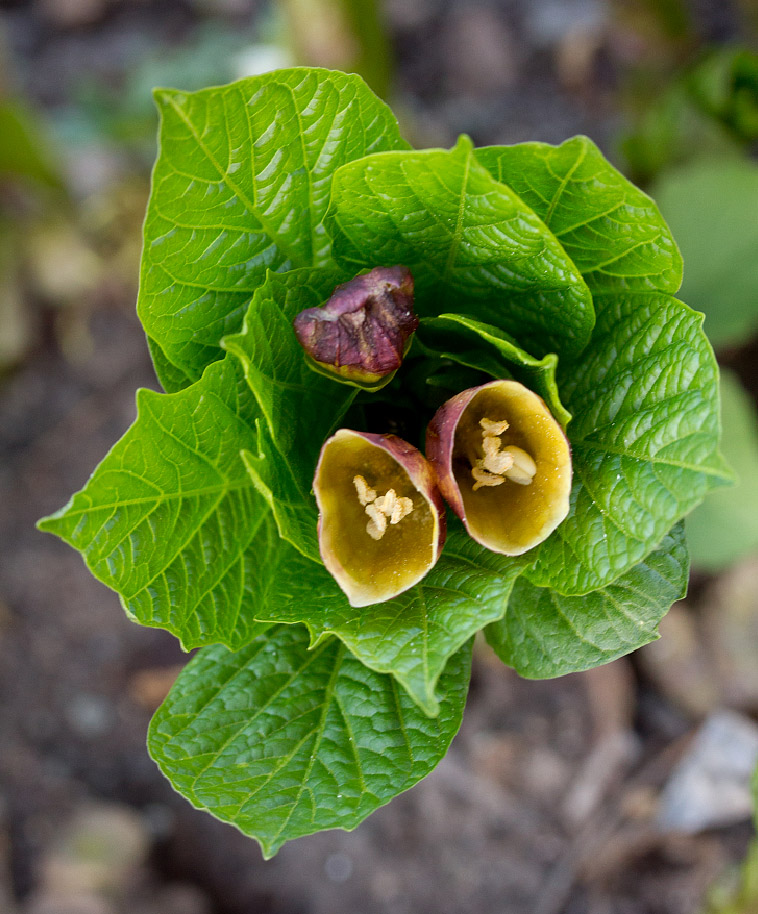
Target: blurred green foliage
[24,152]
[124,114]
[725,527]
[709,109]
[691,141]
[28,181]
[711,206]
[347,35]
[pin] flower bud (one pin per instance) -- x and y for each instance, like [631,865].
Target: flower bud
[503,464]
[362,333]
[381,517]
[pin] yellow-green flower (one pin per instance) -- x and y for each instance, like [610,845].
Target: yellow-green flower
[503,464]
[381,517]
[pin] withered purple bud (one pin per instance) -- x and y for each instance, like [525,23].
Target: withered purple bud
[503,464]
[361,334]
[381,520]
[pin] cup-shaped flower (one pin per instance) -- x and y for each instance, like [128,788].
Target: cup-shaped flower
[381,516]
[361,334]
[503,464]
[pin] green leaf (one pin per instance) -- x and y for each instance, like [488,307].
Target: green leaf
[411,636]
[170,518]
[711,209]
[172,379]
[482,346]
[612,231]
[472,245]
[283,741]
[545,634]
[300,408]
[241,186]
[644,439]
[724,528]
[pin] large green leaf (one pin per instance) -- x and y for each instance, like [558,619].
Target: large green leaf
[483,347]
[473,245]
[724,528]
[612,231]
[241,186]
[283,741]
[171,520]
[300,407]
[172,378]
[644,439]
[711,208]
[544,633]
[411,636]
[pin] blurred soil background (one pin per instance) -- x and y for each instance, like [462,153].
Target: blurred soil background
[620,791]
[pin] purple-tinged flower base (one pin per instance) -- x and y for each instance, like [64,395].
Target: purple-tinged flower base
[365,328]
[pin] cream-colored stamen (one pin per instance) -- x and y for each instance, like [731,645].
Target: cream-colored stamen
[365,494]
[484,478]
[491,427]
[377,526]
[523,469]
[386,507]
[393,507]
[500,463]
[494,460]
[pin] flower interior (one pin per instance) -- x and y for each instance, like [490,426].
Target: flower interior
[378,532]
[512,465]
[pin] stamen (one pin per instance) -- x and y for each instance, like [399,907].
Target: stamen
[495,460]
[377,526]
[403,508]
[491,427]
[386,507]
[386,503]
[523,469]
[365,494]
[484,478]
[500,463]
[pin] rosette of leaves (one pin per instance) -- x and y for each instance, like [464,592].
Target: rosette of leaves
[532,262]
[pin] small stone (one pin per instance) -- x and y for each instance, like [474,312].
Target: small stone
[710,787]
[54,903]
[338,867]
[90,715]
[96,852]
[181,898]
[62,266]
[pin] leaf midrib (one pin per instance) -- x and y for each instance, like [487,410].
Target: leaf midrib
[328,696]
[221,488]
[563,184]
[458,234]
[656,461]
[236,189]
